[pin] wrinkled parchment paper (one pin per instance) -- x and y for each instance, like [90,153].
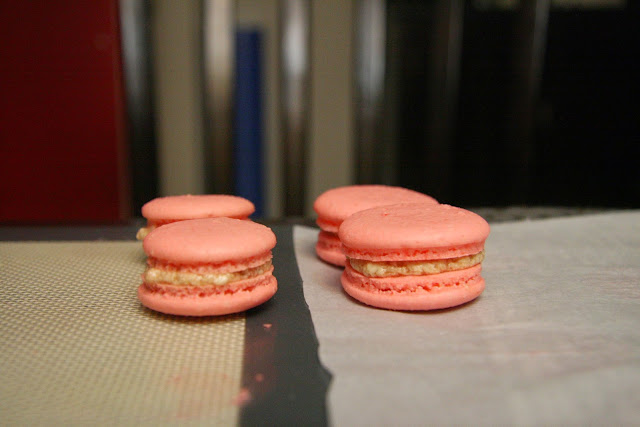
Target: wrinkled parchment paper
[554,338]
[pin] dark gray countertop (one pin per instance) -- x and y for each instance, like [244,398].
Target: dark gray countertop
[127,231]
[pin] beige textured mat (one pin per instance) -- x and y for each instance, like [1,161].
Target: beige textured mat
[76,347]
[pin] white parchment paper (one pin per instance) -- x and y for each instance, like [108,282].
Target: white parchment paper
[554,338]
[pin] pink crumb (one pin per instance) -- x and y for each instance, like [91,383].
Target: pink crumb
[266,325]
[259,378]
[242,397]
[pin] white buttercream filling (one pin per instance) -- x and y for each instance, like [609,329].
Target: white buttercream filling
[181,278]
[142,233]
[414,268]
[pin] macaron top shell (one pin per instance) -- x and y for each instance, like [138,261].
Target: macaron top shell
[197,206]
[335,205]
[418,230]
[210,240]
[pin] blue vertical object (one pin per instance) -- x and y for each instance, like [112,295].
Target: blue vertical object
[247,151]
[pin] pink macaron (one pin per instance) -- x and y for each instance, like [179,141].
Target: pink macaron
[414,256]
[165,210]
[211,266]
[335,205]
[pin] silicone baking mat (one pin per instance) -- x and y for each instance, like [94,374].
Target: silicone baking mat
[76,347]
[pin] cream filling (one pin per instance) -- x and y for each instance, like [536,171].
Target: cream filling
[142,233]
[156,275]
[414,268]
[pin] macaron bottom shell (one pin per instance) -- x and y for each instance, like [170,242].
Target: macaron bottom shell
[415,293]
[193,301]
[329,248]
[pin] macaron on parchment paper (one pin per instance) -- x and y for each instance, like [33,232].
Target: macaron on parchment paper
[337,204]
[414,256]
[166,210]
[205,267]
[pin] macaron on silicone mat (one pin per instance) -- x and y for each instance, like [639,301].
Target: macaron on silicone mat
[337,204]
[210,266]
[165,210]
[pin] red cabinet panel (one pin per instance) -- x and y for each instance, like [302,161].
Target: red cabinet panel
[62,149]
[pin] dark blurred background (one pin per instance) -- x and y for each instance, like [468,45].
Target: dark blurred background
[108,104]
[544,110]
